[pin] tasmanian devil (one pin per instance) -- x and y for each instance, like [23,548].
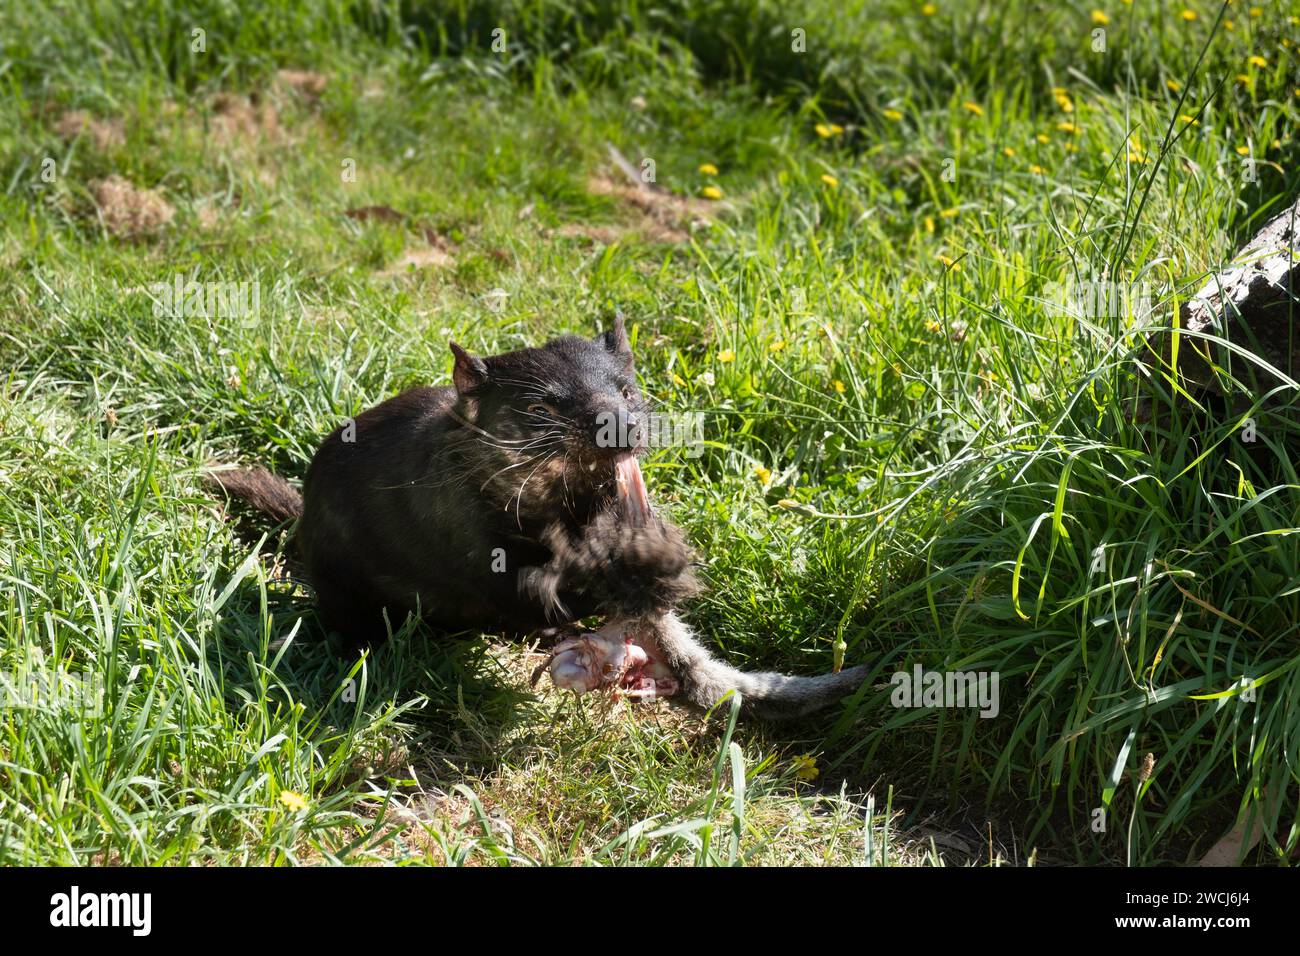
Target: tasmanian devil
[509,501]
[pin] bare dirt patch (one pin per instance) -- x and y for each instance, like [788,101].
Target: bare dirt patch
[129,212]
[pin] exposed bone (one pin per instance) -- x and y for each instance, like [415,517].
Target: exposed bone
[609,659]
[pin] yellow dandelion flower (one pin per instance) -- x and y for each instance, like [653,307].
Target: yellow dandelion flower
[708,169]
[776,346]
[892,115]
[948,213]
[1174,85]
[1058,91]
[1008,151]
[1100,18]
[838,386]
[678,380]
[1183,117]
[1189,15]
[973,107]
[1256,11]
[1243,79]
[1243,150]
[1043,139]
[830,180]
[763,474]
[1229,25]
[948,263]
[929,223]
[292,800]
[726,356]
[1257,60]
[836,129]
[933,326]
[823,130]
[1037,170]
[711,192]
[1068,128]
[929,9]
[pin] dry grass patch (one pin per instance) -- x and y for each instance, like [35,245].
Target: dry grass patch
[243,121]
[304,82]
[104,134]
[664,216]
[439,253]
[653,213]
[129,212]
[608,235]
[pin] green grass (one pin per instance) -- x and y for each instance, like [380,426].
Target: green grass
[878,346]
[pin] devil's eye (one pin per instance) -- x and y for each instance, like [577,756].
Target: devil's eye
[540,408]
[627,393]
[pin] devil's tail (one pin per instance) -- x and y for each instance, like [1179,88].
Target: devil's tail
[260,490]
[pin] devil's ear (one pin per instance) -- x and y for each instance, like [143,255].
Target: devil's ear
[469,372]
[615,340]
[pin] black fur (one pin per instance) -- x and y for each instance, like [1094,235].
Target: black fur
[622,569]
[487,505]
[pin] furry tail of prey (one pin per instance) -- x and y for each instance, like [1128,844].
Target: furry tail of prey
[706,680]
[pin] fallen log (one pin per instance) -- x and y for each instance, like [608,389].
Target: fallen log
[1253,304]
